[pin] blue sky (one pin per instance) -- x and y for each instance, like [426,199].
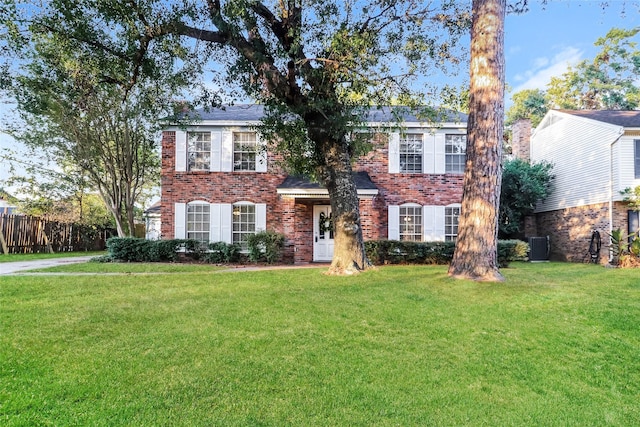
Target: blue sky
[540,43]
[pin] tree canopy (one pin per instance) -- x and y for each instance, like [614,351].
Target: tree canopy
[523,185]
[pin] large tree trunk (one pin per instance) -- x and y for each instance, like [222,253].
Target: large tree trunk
[475,256]
[336,175]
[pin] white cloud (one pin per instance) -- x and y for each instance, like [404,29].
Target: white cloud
[543,69]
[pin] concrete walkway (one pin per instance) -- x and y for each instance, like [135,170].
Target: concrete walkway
[18,266]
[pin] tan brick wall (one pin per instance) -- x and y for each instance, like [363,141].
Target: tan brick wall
[521,139]
[569,231]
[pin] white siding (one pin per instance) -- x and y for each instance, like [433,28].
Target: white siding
[580,152]
[623,166]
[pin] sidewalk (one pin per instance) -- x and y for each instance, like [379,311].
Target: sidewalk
[14,267]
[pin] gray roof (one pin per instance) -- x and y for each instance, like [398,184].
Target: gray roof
[623,118]
[255,112]
[292,182]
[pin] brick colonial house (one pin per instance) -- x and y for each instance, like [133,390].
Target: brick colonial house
[596,155]
[219,185]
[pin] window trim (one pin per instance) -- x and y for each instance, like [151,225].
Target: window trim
[418,212]
[198,203]
[451,237]
[255,152]
[419,166]
[206,163]
[447,168]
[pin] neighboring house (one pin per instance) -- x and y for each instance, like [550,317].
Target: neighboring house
[6,206]
[152,222]
[220,184]
[596,155]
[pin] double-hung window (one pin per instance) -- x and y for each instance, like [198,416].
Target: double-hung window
[245,147]
[411,223]
[244,224]
[198,222]
[199,151]
[451,215]
[411,150]
[455,148]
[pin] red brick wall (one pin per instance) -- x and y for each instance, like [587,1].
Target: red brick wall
[293,218]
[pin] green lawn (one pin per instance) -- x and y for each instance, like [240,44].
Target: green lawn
[556,345]
[27,257]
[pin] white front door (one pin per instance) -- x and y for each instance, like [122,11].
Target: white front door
[322,233]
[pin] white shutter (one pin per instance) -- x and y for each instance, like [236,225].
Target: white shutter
[214,225]
[394,152]
[439,155]
[226,155]
[216,151]
[226,222]
[428,221]
[433,219]
[180,221]
[428,153]
[181,151]
[394,223]
[438,222]
[261,155]
[261,217]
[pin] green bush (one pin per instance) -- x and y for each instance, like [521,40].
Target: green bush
[265,246]
[133,249]
[222,253]
[399,252]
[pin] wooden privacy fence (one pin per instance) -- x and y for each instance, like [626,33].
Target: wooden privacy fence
[21,234]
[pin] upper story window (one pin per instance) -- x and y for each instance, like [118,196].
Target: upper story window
[451,215]
[636,157]
[198,222]
[244,224]
[455,148]
[199,151]
[411,223]
[411,153]
[245,147]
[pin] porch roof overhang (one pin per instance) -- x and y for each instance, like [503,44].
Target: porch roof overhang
[297,187]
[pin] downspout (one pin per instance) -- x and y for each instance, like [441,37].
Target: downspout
[620,133]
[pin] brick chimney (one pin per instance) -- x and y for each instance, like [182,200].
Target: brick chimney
[521,139]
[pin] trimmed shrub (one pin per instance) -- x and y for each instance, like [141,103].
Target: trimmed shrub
[265,246]
[130,249]
[400,252]
[222,253]
[134,249]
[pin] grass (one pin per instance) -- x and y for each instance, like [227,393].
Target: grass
[130,267]
[556,345]
[28,257]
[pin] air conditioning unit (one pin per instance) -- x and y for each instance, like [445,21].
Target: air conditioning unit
[539,248]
